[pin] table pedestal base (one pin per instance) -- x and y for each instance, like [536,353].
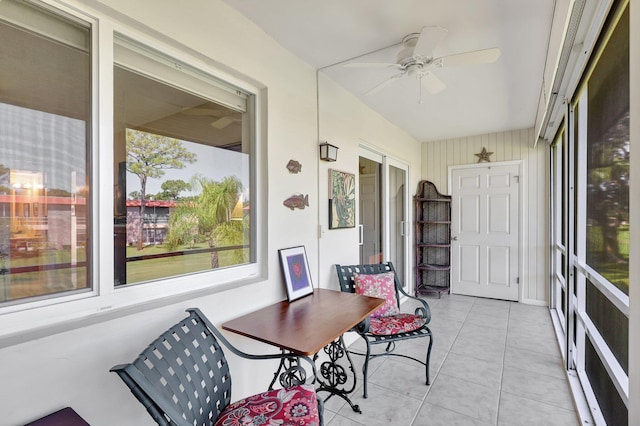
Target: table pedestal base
[290,372]
[333,376]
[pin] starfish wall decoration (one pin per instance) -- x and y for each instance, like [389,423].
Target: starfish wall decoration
[484,155]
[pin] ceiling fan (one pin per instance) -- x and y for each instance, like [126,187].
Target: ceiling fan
[416,60]
[221,121]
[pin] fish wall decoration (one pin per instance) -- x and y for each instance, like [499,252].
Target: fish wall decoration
[294,166]
[297,201]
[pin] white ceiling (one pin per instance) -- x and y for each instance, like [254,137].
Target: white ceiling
[479,99]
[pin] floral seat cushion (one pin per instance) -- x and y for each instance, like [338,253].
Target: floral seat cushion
[386,320]
[282,407]
[395,324]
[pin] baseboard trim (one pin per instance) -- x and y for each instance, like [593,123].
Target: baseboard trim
[534,302]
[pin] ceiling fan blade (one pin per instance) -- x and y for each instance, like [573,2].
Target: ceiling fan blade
[368,65]
[432,83]
[430,38]
[484,56]
[384,84]
[221,123]
[201,111]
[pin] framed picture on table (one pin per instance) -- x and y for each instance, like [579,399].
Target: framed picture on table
[295,269]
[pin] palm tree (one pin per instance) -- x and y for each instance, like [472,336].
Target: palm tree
[217,199]
[212,208]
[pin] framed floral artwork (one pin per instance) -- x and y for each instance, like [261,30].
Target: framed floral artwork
[342,204]
[295,268]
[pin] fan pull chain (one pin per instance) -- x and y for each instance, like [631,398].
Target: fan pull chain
[420,91]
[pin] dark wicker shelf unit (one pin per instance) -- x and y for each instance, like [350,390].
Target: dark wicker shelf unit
[432,239]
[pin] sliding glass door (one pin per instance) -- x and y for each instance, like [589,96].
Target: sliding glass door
[383,211]
[370,207]
[398,208]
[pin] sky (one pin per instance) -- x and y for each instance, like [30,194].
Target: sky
[214,163]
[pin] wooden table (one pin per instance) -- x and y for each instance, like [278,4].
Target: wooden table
[308,325]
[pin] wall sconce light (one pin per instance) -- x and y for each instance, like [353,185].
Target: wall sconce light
[328,152]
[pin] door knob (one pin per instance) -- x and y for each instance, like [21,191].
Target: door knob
[454,238]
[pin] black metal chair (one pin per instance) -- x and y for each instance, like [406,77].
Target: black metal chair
[182,378]
[387,335]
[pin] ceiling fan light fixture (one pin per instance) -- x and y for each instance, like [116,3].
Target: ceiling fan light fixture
[417,70]
[417,60]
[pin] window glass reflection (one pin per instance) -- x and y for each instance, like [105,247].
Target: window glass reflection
[44,181]
[182,179]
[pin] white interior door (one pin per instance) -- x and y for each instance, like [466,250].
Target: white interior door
[485,231]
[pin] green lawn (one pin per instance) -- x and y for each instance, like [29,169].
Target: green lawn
[616,272]
[45,257]
[152,269]
[42,282]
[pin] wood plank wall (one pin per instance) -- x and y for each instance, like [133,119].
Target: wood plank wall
[437,156]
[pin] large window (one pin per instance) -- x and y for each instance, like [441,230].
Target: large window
[182,169]
[558,227]
[170,145]
[45,118]
[591,194]
[607,226]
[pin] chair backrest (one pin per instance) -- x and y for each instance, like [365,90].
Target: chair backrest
[182,377]
[346,273]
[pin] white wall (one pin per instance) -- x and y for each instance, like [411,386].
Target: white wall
[506,146]
[71,368]
[344,123]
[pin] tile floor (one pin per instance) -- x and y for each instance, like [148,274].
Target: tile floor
[493,363]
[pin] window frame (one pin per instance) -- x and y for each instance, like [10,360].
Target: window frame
[149,63]
[580,332]
[558,249]
[585,328]
[103,301]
